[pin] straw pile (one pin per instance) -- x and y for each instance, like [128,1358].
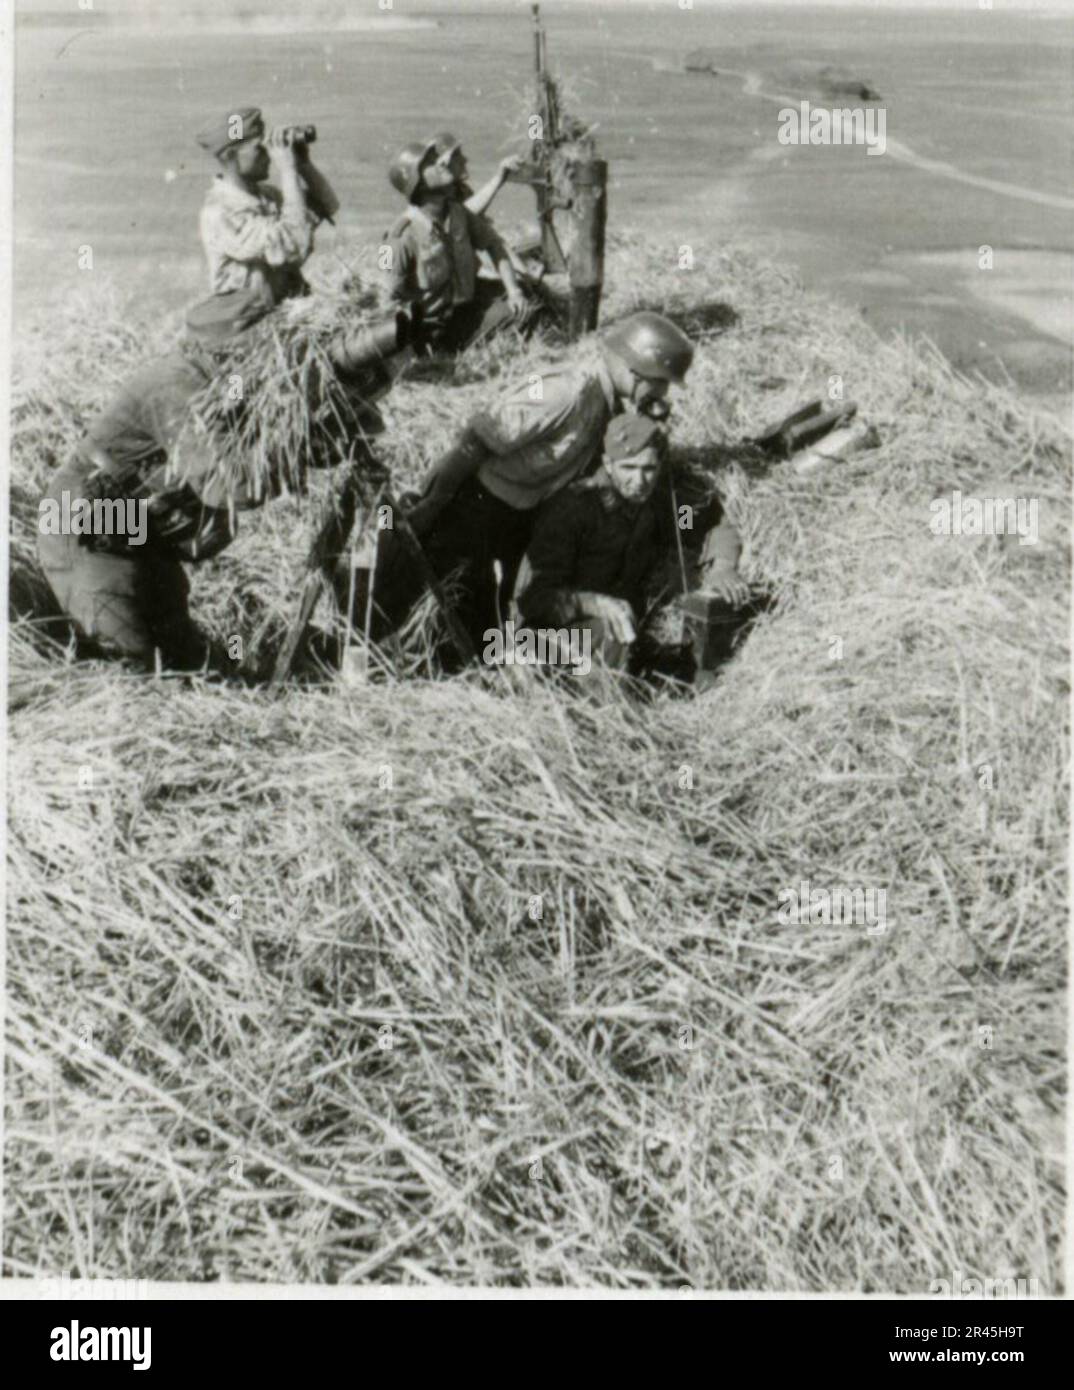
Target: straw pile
[444,980]
[296,410]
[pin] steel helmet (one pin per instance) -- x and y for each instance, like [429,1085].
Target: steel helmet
[445,144]
[404,173]
[651,346]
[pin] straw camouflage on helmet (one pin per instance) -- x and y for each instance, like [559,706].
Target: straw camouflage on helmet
[651,346]
[404,173]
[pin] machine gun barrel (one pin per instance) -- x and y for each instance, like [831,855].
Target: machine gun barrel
[544,148]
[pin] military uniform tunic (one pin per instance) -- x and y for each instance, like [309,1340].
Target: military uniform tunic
[254,241]
[587,539]
[434,267]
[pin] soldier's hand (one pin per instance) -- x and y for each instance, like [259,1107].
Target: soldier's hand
[521,307]
[510,165]
[280,146]
[615,613]
[732,588]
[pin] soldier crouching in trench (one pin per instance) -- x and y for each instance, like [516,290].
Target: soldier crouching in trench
[477,507]
[598,557]
[510,484]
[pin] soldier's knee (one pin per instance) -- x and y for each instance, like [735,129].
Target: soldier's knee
[122,607]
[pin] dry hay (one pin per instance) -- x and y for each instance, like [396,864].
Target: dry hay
[277,404]
[432,981]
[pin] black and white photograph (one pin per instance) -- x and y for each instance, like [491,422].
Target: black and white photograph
[537,655]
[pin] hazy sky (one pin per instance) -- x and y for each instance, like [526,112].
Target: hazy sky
[404,7]
[415,6]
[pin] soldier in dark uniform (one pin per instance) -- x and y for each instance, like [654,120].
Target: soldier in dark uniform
[599,551]
[131,600]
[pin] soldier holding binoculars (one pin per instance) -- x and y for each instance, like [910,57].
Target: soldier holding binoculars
[256,235]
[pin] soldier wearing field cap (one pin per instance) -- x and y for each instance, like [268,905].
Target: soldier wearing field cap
[257,236]
[434,250]
[127,596]
[477,506]
[599,550]
[596,542]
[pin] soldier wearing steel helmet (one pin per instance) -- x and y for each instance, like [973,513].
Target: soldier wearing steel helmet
[433,256]
[476,509]
[525,252]
[449,153]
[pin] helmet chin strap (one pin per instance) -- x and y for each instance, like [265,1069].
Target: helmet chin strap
[655,408]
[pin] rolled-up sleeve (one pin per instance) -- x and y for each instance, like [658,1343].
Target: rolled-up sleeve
[272,237]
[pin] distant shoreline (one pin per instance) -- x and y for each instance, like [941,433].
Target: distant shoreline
[92,22]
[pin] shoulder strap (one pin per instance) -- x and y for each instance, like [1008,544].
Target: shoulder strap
[399,226]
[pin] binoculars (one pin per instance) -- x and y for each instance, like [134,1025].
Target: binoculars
[301,134]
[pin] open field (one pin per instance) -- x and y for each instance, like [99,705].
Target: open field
[469,982]
[979,108]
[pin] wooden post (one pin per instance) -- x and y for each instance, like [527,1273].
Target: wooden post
[589,211]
